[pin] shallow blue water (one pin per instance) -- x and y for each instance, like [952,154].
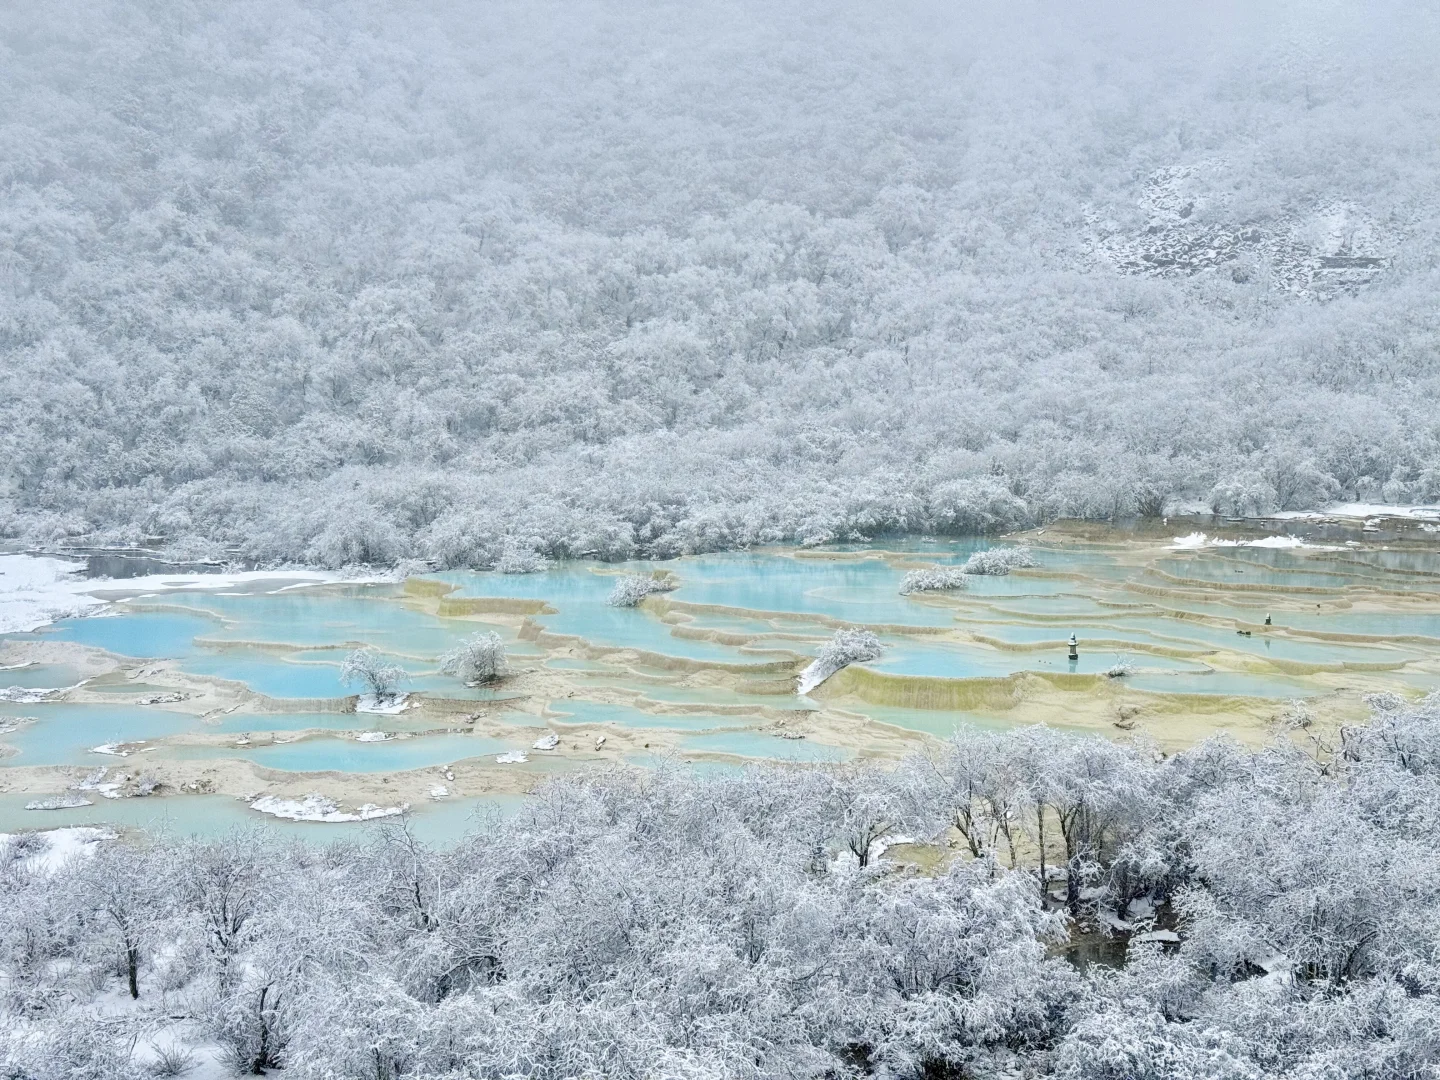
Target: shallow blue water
[582,711]
[40,676]
[241,722]
[959,660]
[63,734]
[348,755]
[272,676]
[865,591]
[329,615]
[144,634]
[309,631]
[579,595]
[757,744]
[1229,683]
[441,821]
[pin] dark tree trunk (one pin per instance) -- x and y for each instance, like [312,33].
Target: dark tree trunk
[1040,819]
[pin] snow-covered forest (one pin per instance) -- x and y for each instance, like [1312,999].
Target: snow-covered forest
[1279,905]
[363,281]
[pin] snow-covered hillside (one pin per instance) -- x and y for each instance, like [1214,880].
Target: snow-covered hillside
[339,283]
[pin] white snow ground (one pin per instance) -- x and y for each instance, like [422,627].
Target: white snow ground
[388,706]
[813,676]
[1197,540]
[36,590]
[1429,512]
[55,847]
[320,808]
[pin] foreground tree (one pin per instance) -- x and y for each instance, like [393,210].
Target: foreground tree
[638,923]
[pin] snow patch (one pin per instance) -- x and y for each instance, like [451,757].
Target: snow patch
[96,782]
[1428,512]
[387,706]
[849,646]
[1195,541]
[321,808]
[58,846]
[512,757]
[36,590]
[30,695]
[59,802]
[813,676]
[547,742]
[373,736]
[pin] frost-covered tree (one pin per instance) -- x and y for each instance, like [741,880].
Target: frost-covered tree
[632,588]
[933,579]
[1243,494]
[124,887]
[248,322]
[848,645]
[974,787]
[999,561]
[1269,916]
[517,560]
[479,659]
[373,673]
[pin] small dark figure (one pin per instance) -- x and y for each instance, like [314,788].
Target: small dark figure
[1267,620]
[1074,648]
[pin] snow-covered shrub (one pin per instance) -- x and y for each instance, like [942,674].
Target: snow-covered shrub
[408,568]
[368,668]
[50,1049]
[975,504]
[172,1060]
[1122,667]
[1243,494]
[392,959]
[1296,715]
[933,579]
[251,1024]
[480,659]
[521,561]
[633,588]
[995,562]
[850,645]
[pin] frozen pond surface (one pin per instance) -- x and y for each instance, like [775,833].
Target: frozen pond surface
[189,686]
